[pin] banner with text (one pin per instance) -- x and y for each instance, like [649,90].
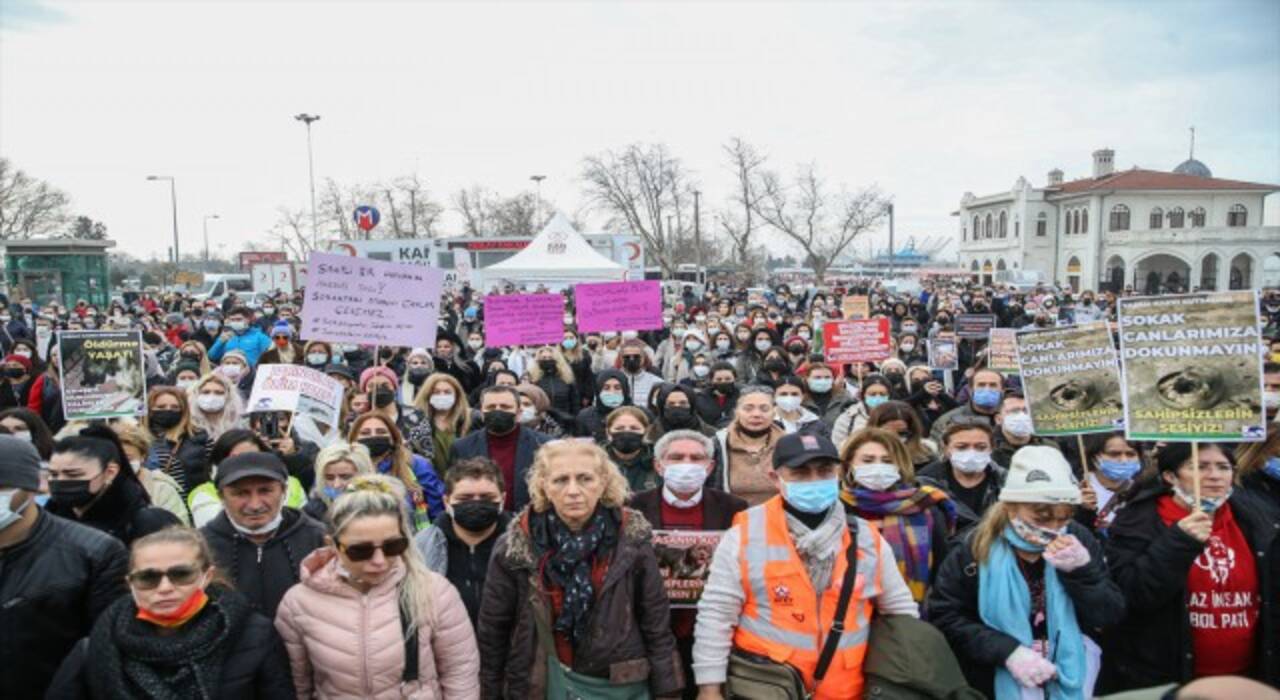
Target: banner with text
[1002,350]
[856,341]
[684,560]
[1071,379]
[523,319]
[312,396]
[1192,367]
[856,307]
[102,374]
[974,326]
[618,306]
[370,302]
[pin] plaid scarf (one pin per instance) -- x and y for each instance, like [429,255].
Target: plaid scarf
[906,519]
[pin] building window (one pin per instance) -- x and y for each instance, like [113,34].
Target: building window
[1004,225]
[1176,217]
[977,230]
[1157,218]
[1197,217]
[1042,224]
[1017,228]
[1119,218]
[1084,221]
[1237,215]
[989,228]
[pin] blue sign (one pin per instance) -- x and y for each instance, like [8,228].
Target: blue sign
[366,217]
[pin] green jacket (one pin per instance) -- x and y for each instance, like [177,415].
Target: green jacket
[908,659]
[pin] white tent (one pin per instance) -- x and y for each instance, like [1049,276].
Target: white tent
[557,257]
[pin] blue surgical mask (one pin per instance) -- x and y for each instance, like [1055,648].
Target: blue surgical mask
[873,401]
[820,385]
[569,343]
[986,398]
[1272,468]
[811,496]
[332,492]
[1119,470]
[611,399]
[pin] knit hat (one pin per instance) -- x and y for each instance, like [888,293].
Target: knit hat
[1040,474]
[186,366]
[19,464]
[24,361]
[237,354]
[282,328]
[378,371]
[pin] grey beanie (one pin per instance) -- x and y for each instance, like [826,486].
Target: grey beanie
[19,464]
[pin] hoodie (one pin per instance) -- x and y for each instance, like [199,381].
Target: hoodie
[264,572]
[590,422]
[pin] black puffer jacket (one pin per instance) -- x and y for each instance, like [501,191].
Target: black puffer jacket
[53,585]
[193,453]
[936,474]
[255,664]
[124,512]
[562,395]
[952,606]
[1150,561]
[265,572]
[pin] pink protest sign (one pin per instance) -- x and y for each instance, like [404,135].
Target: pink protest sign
[856,341]
[523,319]
[619,306]
[371,302]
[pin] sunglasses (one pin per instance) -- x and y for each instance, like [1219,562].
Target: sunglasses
[181,575]
[364,550]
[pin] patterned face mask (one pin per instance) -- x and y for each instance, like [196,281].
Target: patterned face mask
[1034,534]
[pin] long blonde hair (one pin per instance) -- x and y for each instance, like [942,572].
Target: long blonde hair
[563,370]
[372,495]
[228,418]
[988,530]
[615,484]
[355,453]
[459,416]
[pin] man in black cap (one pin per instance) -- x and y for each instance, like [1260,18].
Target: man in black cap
[256,540]
[56,576]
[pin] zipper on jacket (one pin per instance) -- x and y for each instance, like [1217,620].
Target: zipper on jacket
[259,554]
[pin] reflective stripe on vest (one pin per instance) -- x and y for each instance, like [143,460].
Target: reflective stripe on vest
[784,619]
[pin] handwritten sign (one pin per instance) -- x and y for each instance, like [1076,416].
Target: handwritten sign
[974,326]
[523,319]
[619,306]
[856,341]
[370,302]
[856,307]
[1002,350]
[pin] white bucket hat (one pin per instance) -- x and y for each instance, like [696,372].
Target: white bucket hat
[1040,474]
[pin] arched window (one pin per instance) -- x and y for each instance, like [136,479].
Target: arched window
[1209,273]
[1084,221]
[1017,227]
[1042,224]
[1241,272]
[1197,217]
[1237,215]
[1176,217]
[1119,218]
[974,266]
[990,227]
[1000,264]
[1157,218]
[1073,221]
[977,228]
[1004,225]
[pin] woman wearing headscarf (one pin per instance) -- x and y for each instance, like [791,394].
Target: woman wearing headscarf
[449,416]
[182,632]
[370,591]
[336,466]
[1020,598]
[876,389]
[216,405]
[534,411]
[573,587]
[180,449]
[612,391]
[235,366]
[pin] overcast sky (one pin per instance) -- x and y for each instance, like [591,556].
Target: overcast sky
[927,100]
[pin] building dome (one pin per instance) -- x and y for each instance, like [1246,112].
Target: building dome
[1191,166]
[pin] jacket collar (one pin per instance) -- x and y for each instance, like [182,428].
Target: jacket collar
[634,531]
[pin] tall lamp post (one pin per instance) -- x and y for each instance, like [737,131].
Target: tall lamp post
[701,274]
[311,167]
[537,203]
[173,198]
[206,237]
[891,253]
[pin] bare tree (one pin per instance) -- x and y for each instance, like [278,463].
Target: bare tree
[410,208]
[29,207]
[485,213]
[738,220]
[822,223]
[648,191]
[292,231]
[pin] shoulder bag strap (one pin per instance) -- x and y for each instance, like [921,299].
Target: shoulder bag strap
[410,674]
[842,606]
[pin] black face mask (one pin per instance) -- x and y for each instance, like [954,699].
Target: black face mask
[632,364]
[15,372]
[382,397]
[193,356]
[475,515]
[165,419]
[678,417]
[353,355]
[499,422]
[547,365]
[378,446]
[418,374]
[775,366]
[724,388]
[70,493]
[626,442]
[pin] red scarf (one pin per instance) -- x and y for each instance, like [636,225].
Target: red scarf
[1222,594]
[189,609]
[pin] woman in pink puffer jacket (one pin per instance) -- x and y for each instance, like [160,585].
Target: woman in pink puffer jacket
[342,625]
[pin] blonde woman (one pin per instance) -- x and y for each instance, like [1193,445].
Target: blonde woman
[336,465]
[449,416]
[544,596]
[345,624]
[216,406]
[163,490]
[193,351]
[180,449]
[552,373]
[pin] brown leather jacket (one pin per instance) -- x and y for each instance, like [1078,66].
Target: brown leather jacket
[630,632]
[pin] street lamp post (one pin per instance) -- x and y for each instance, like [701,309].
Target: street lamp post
[537,203]
[701,275]
[890,207]
[311,168]
[206,238]
[173,198]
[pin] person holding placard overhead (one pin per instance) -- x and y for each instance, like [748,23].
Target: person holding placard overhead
[1189,553]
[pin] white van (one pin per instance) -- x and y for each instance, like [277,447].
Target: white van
[217,286]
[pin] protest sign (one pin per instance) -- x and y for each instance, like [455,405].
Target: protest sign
[974,326]
[371,302]
[102,374]
[1071,379]
[684,560]
[44,334]
[296,389]
[1002,350]
[856,341]
[618,306]
[1192,367]
[856,307]
[942,352]
[523,319]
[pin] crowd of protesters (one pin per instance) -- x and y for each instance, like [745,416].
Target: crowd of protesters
[482,523]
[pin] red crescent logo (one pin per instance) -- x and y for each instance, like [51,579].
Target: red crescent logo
[346,248]
[635,251]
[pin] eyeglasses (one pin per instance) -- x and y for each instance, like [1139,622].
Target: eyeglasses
[181,575]
[364,550]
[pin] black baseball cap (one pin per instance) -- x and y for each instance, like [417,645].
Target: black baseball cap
[798,449]
[342,371]
[242,466]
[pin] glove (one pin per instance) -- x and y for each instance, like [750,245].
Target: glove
[1069,556]
[1029,669]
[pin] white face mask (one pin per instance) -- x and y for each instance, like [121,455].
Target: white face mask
[442,402]
[1018,424]
[764,345]
[970,461]
[475,344]
[876,477]
[679,332]
[701,371]
[264,530]
[723,344]
[1271,399]
[528,415]
[685,477]
[8,515]
[210,403]
[232,371]
[693,345]
[788,403]
[629,335]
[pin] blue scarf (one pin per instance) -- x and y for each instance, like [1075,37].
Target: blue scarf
[1004,603]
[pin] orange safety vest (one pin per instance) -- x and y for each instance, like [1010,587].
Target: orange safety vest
[787,621]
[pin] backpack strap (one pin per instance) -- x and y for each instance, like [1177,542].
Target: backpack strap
[842,605]
[410,674]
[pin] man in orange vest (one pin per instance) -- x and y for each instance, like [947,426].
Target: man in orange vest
[777,575]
